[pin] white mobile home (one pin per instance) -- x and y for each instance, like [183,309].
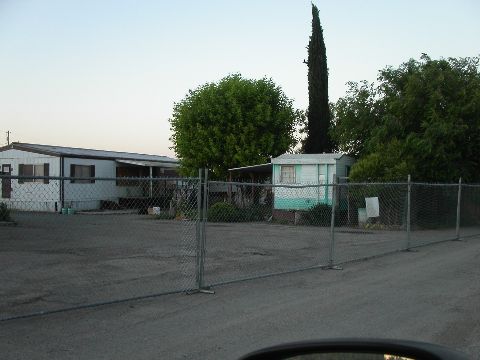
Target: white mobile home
[307,169]
[84,192]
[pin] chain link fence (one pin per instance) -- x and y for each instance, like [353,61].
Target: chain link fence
[67,242]
[433,213]
[250,235]
[364,230]
[469,211]
[74,242]
[255,230]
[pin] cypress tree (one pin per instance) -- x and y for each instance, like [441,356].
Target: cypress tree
[318,117]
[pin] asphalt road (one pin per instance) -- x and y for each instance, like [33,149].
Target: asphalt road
[430,295]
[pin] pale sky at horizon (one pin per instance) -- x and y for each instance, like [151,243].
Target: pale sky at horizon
[105,74]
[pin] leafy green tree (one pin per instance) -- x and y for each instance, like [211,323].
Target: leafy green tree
[232,123]
[318,139]
[355,116]
[422,118]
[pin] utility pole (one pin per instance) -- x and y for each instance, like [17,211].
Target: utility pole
[8,137]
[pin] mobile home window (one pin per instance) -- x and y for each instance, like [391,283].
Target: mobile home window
[287,174]
[33,170]
[80,172]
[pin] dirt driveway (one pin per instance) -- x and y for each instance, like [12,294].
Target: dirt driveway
[52,261]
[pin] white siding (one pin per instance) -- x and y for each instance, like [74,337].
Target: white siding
[38,196]
[281,191]
[86,196]
[305,197]
[309,174]
[311,169]
[331,176]
[35,196]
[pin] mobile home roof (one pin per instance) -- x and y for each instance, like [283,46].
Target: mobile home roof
[308,158]
[86,153]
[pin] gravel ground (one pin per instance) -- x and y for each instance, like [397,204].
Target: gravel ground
[52,261]
[430,295]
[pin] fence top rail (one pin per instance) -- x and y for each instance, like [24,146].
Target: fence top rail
[293,186]
[24,177]
[436,184]
[300,185]
[238,183]
[404,183]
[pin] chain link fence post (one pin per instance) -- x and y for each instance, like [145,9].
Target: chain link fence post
[204,289]
[457,228]
[198,228]
[204,220]
[202,208]
[331,258]
[409,211]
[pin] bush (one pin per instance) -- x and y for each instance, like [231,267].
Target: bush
[321,215]
[187,214]
[226,212]
[4,212]
[223,212]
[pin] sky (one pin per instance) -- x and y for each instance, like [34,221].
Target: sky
[106,74]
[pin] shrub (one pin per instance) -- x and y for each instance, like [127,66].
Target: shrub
[321,215]
[226,212]
[187,214]
[4,212]
[223,212]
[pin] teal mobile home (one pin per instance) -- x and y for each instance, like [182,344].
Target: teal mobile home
[307,169]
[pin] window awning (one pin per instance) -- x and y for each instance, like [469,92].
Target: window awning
[255,169]
[148,163]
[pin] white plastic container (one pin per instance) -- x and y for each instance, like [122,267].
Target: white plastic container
[362,216]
